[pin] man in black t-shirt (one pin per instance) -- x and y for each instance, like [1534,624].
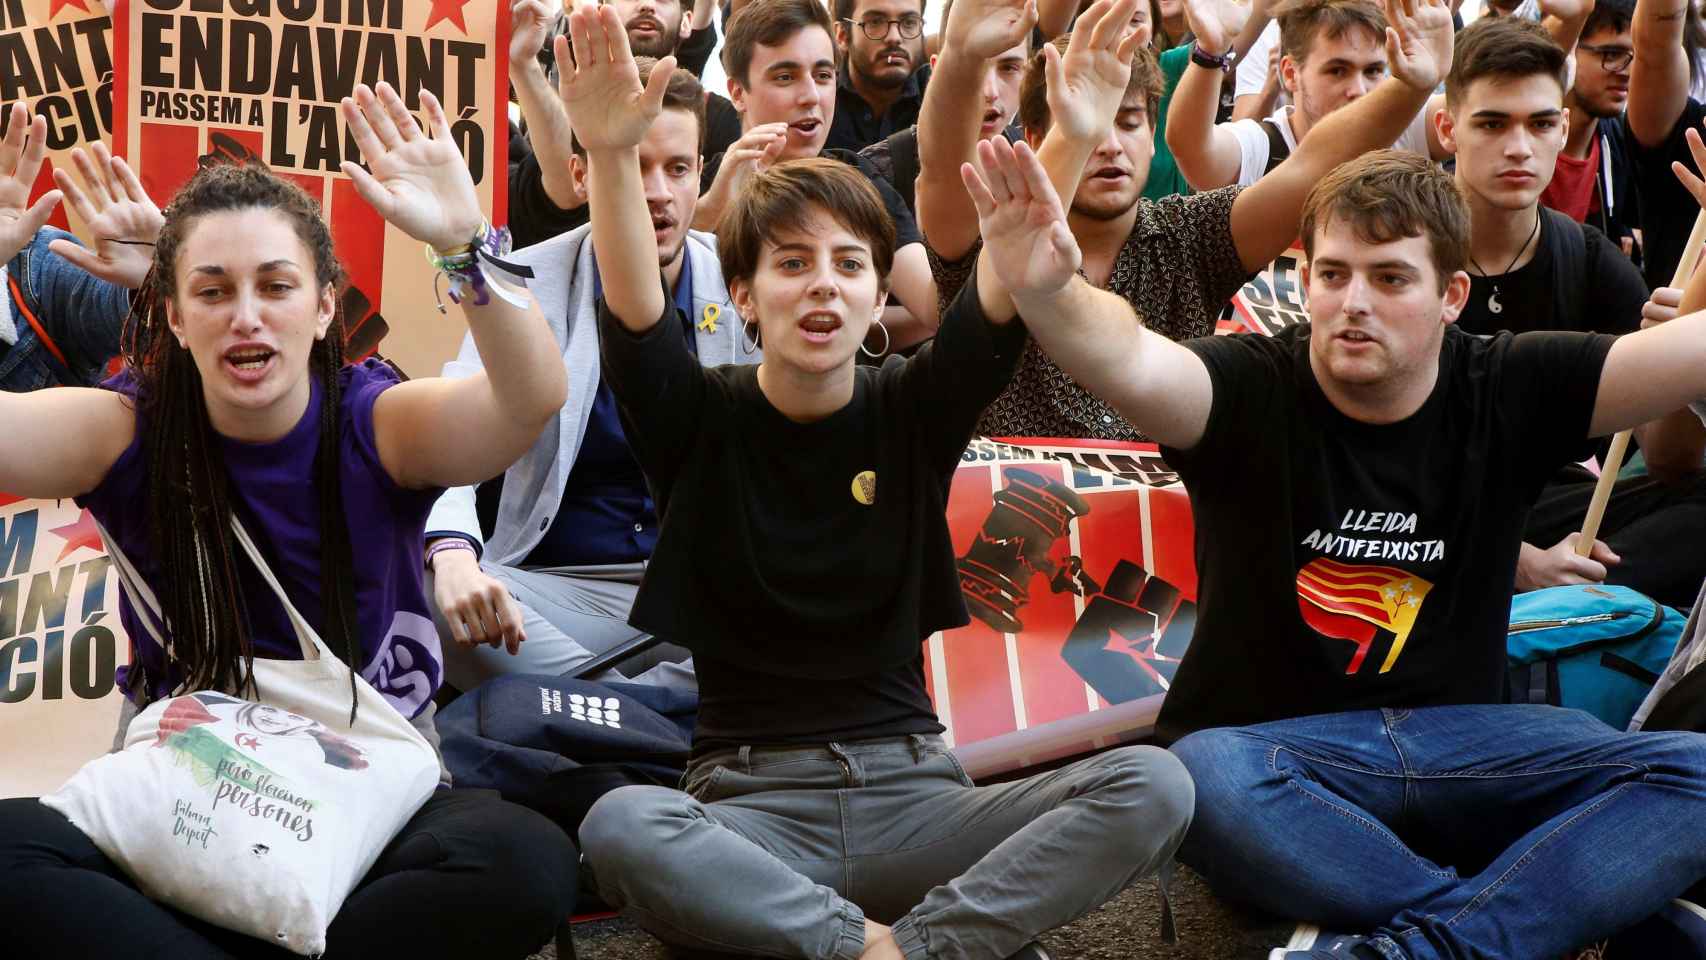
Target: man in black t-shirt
[543,198]
[1660,111]
[1534,268]
[1341,696]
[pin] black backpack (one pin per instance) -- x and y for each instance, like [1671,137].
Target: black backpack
[557,744]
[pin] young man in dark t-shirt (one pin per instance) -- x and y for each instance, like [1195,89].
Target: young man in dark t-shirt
[1340,702]
[880,84]
[1660,112]
[543,199]
[1594,179]
[1176,260]
[1533,268]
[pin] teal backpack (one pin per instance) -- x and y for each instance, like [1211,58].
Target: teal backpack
[1593,647]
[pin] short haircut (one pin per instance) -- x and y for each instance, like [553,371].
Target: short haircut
[1302,22]
[682,92]
[768,23]
[1387,195]
[1614,16]
[1034,114]
[784,196]
[843,9]
[1505,48]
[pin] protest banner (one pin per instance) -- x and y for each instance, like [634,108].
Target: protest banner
[56,58]
[60,645]
[1076,559]
[1275,297]
[260,81]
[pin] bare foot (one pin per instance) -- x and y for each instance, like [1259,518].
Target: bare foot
[879,943]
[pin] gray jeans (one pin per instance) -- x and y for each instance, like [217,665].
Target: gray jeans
[570,615]
[784,851]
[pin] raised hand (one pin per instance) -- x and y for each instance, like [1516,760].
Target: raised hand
[529,23]
[1087,85]
[119,217]
[419,181]
[1419,41]
[1215,23]
[601,87]
[1693,183]
[985,28]
[1566,9]
[1026,240]
[21,153]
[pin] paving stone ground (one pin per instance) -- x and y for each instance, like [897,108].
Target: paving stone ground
[1126,928]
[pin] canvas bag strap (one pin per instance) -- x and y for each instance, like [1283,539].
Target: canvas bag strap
[142,599]
[313,648]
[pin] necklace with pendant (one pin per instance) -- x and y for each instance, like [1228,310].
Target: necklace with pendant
[1494,307]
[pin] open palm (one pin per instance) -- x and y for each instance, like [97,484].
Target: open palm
[1419,41]
[1026,239]
[119,217]
[1088,84]
[417,181]
[986,28]
[601,86]
[21,153]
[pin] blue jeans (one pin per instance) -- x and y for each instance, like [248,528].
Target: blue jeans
[1450,832]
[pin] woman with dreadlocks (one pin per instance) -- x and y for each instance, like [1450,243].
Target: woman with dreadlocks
[235,400]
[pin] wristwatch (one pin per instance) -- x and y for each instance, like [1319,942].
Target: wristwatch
[1202,58]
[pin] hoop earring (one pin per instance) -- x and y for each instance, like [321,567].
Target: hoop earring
[748,342]
[884,351]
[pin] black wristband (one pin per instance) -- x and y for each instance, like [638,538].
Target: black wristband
[1202,58]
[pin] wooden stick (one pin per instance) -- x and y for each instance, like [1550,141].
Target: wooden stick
[1620,442]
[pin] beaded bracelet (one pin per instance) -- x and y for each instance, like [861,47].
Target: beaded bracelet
[477,269]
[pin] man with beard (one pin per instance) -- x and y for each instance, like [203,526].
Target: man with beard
[1176,260]
[544,200]
[575,523]
[1594,180]
[881,82]
[895,157]
[1533,268]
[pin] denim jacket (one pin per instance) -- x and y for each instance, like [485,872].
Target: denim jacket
[81,315]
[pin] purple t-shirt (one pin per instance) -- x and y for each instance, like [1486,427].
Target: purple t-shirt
[272,491]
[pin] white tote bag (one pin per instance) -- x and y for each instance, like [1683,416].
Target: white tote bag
[261,815]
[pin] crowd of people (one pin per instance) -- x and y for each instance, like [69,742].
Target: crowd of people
[758,334]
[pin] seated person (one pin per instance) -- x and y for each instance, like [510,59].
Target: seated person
[1505,123]
[780,58]
[1659,115]
[543,200]
[575,522]
[64,304]
[1340,704]
[1177,260]
[1594,179]
[804,558]
[235,402]
[883,73]
[895,157]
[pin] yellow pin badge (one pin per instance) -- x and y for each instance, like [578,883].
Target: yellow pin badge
[708,322]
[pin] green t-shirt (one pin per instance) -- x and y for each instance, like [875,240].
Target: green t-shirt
[1164,176]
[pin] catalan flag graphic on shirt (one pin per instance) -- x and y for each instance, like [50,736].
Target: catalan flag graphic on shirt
[1360,602]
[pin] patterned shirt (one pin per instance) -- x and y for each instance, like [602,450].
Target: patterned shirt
[1178,269]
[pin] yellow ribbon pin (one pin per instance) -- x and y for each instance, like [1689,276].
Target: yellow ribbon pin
[709,323]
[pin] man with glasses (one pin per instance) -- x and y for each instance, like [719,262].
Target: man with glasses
[1594,180]
[880,85]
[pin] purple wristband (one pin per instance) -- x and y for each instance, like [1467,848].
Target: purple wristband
[447,543]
